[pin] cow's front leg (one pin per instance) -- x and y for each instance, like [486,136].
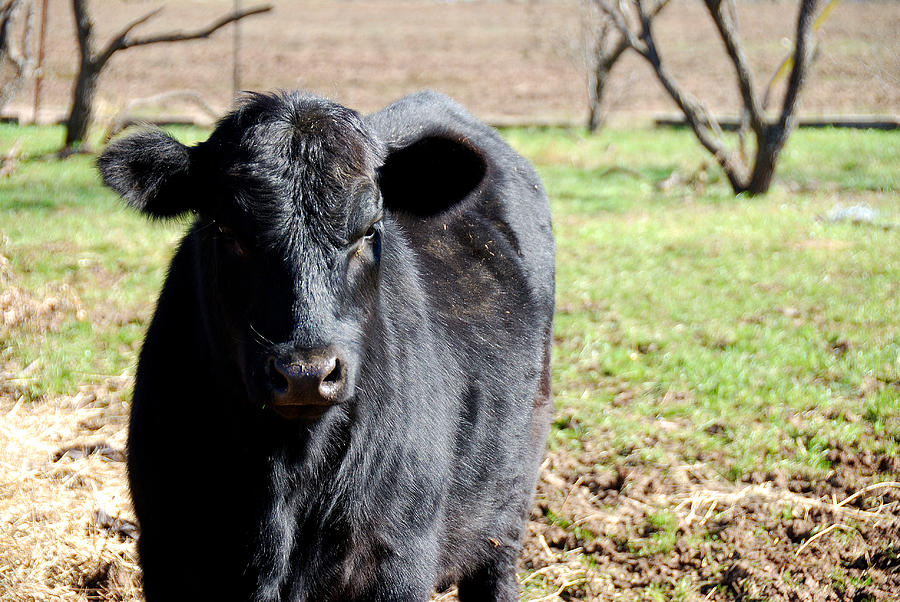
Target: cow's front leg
[496,583]
[406,575]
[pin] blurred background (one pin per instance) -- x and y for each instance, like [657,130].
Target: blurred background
[509,62]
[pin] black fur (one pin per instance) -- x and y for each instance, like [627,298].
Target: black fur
[412,245]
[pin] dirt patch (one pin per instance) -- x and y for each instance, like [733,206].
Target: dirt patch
[501,59]
[623,534]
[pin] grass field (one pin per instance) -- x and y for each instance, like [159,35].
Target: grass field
[727,370]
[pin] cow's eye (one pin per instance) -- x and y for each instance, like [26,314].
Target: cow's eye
[372,233]
[369,244]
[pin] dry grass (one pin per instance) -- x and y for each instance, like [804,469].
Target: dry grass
[62,478]
[722,502]
[54,537]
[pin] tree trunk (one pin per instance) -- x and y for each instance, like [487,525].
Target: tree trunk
[21,59]
[92,63]
[768,149]
[770,136]
[82,105]
[86,85]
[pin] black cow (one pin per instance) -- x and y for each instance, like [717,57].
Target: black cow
[345,390]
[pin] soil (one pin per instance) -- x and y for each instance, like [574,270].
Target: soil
[778,536]
[505,60]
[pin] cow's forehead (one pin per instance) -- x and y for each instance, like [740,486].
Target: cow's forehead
[306,209]
[296,165]
[283,130]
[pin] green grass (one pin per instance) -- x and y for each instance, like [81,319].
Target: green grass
[660,535]
[59,226]
[748,331]
[692,325]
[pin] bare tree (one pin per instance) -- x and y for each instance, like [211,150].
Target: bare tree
[633,21]
[606,45]
[92,62]
[124,117]
[17,51]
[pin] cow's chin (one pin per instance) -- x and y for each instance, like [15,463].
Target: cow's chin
[262,399]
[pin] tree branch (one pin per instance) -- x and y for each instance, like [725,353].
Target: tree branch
[694,110]
[618,19]
[612,55]
[802,57]
[22,59]
[6,14]
[122,40]
[607,57]
[727,27]
[609,43]
[708,132]
[203,33]
[657,8]
[118,42]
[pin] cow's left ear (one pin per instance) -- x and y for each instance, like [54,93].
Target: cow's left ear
[431,174]
[151,171]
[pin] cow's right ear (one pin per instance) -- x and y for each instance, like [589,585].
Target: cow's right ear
[150,170]
[431,174]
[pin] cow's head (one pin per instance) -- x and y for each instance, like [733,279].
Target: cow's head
[290,230]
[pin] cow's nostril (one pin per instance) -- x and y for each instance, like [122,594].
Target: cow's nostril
[336,374]
[277,379]
[331,386]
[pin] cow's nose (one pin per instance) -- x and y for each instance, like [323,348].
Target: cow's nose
[312,381]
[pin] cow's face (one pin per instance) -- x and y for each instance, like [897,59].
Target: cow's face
[290,233]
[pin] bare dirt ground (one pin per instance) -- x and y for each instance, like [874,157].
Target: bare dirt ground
[505,60]
[776,537]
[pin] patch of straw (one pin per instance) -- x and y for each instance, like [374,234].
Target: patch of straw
[729,500]
[818,535]
[50,546]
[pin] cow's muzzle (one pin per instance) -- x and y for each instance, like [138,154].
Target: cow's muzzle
[305,385]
